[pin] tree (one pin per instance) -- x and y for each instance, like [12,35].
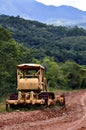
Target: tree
[54,73]
[74,74]
[5,34]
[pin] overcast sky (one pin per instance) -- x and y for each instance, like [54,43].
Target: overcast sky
[80,4]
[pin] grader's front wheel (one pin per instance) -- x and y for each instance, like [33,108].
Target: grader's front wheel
[48,97]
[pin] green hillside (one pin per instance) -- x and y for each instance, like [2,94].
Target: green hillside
[59,42]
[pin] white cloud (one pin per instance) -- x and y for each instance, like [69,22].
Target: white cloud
[80,4]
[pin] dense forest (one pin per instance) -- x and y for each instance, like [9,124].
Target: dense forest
[62,43]
[61,50]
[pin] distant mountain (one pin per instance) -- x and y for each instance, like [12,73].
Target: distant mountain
[33,10]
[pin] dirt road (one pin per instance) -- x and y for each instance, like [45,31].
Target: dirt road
[73,118]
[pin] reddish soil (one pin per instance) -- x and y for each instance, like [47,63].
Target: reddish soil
[71,118]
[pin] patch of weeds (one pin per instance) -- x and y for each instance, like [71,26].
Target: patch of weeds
[2,107]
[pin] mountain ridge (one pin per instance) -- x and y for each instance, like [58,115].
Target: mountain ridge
[33,10]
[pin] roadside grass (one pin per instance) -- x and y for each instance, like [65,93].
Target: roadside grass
[2,105]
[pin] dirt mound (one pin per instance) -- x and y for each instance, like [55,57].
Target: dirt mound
[70,118]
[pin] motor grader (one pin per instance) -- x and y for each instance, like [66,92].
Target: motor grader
[32,88]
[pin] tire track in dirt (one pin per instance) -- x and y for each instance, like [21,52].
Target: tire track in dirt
[49,120]
[75,124]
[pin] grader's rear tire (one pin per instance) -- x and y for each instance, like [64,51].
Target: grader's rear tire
[12,106]
[13,96]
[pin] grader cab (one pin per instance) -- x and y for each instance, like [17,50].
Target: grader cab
[32,87]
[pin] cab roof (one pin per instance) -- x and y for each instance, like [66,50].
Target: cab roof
[30,66]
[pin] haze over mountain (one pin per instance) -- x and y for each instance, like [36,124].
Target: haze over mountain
[33,10]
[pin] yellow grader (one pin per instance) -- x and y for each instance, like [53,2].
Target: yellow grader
[32,88]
